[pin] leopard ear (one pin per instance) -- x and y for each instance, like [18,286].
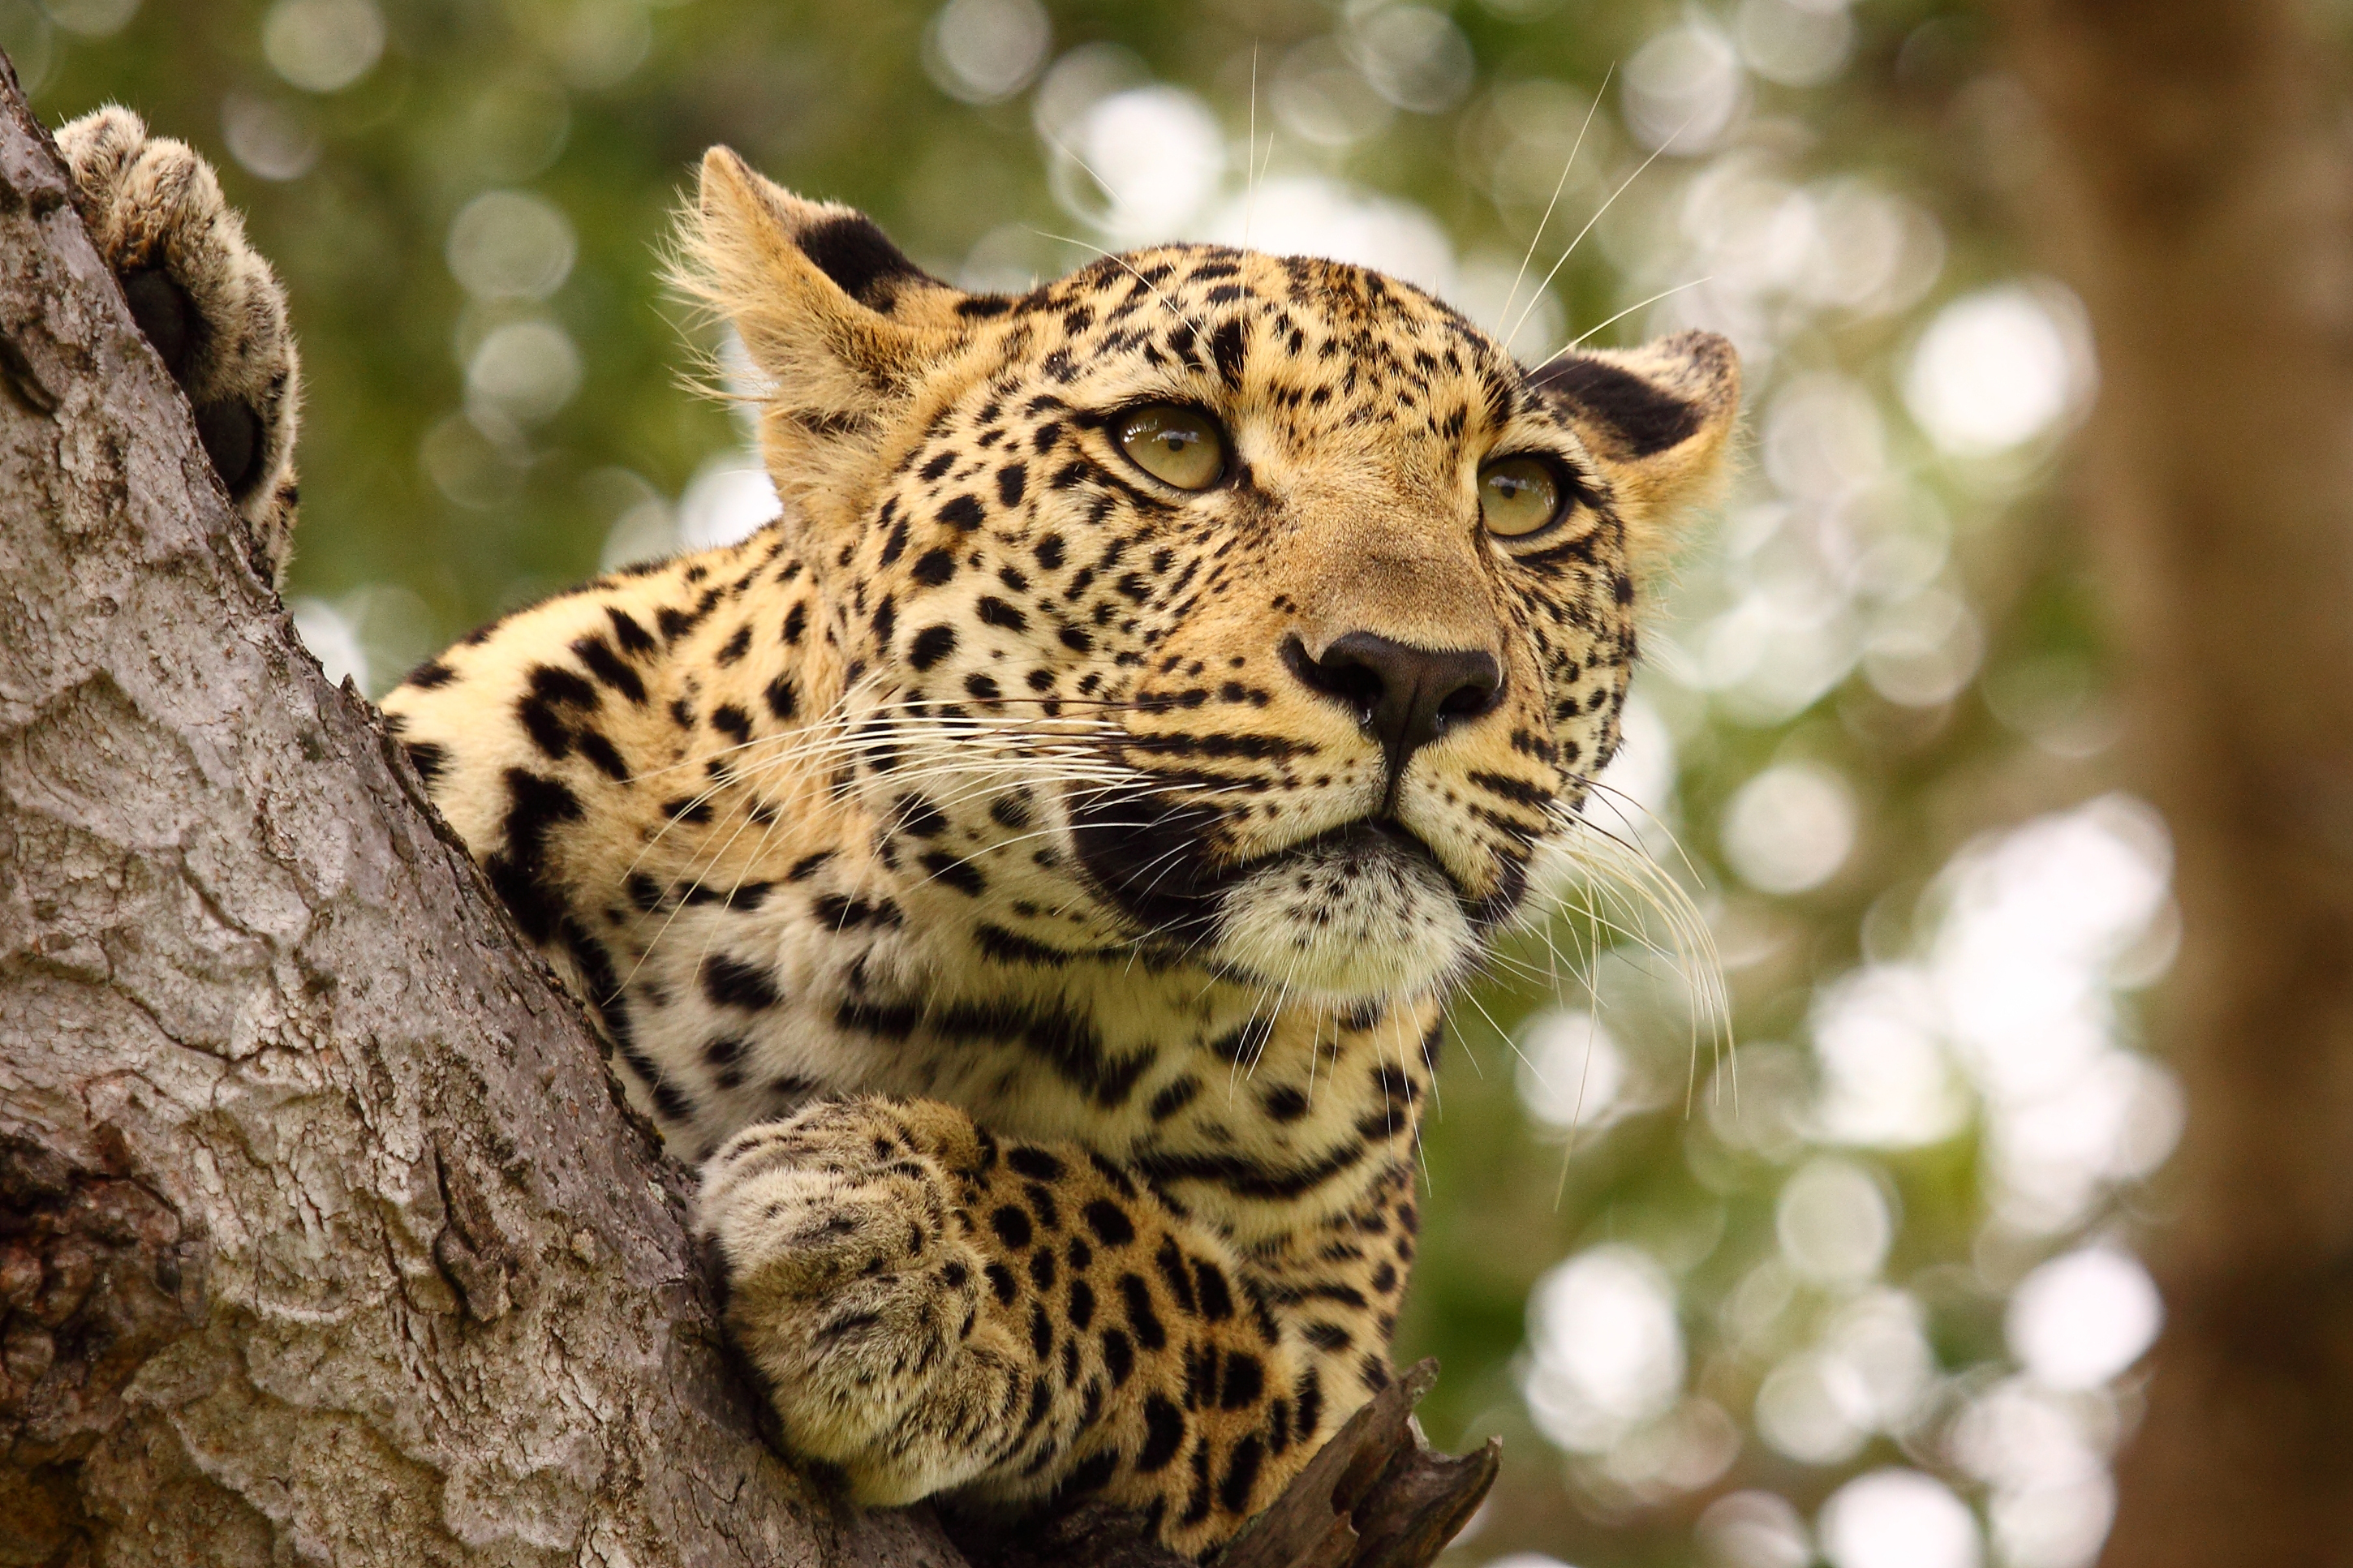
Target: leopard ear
[835,318]
[1659,419]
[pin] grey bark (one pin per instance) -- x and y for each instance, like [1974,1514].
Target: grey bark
[324,1234]
[2197,189]
[321,1239]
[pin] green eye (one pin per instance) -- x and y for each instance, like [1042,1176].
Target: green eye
[1518,496]
[1179,447]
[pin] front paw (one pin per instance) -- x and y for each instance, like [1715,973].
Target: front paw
[854,1288]
[210,305]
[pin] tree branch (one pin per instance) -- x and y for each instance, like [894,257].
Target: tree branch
[320,1232]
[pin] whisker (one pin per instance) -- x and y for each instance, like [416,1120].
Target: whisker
[1250,159]
[1596,219]
[1579,342]
[1559,185]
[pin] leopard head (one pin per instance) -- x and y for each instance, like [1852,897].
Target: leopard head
[1253,612]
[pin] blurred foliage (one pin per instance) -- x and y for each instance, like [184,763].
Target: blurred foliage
[1885,649]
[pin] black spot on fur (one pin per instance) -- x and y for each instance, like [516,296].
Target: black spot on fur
[856,255]
[1141,1320]
[602,753]
[955,872]
[1327,1336]
[1164,1432]
[1250,1179]
[1241,1476]
[1119,1357]
[1174,1099]
[606,666]
[1010,947]
[1308,1397]
[1286,1103]
[1001,1281]
[732,983]
[429,758]
[931,644]
[635,640]
[1245,1380]
[1227,347]
[537,806]
[1034,1162]
[1644,418]
[1171,1264]
[1209,1283]
[1109,1222]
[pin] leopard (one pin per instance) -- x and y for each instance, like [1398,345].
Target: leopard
[1026,877]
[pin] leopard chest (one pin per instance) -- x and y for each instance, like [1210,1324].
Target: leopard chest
[1258,1113]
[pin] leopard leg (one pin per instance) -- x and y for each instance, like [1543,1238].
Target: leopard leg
[207,302]
[937,1310]
[855,1286]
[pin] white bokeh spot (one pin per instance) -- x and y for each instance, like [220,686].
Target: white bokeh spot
[1899,1519]
[1607,1353]
[2084,1317]
[1998,368]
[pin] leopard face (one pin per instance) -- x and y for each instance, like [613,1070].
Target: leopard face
[1300,718]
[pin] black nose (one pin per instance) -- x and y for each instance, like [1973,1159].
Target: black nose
[1407,697]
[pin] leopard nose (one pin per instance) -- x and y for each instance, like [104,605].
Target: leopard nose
[1406,697]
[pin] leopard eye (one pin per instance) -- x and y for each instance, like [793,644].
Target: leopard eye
[1518,496]
[1177,446]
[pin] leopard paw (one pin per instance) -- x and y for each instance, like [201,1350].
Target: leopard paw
[207,302]
[854,1286]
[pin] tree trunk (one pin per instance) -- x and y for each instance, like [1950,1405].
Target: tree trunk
[322,1238]
[2195,191]
[324,1235]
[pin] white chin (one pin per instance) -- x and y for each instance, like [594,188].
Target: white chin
[1343,925]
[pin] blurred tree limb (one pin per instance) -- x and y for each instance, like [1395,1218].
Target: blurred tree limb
[322,1233]
[2196,188]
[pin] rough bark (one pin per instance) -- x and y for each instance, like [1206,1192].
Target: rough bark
[320,1235]
[2195,191]
[325,1236]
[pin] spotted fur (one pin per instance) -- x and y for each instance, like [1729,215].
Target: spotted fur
[995,873]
